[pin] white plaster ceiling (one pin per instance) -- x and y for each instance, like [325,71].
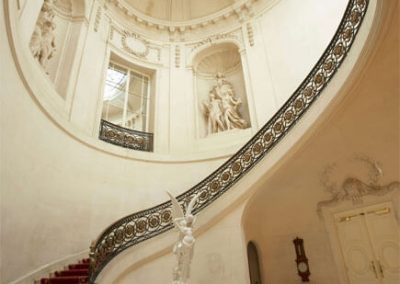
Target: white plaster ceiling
[179,10]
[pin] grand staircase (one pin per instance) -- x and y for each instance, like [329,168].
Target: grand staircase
[73,274]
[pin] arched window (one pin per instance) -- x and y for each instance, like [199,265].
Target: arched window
[254,264]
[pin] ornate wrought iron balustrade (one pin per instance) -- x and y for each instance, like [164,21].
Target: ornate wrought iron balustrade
[125,137]
[146,224]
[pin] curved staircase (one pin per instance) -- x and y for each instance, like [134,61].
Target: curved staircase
[73,274]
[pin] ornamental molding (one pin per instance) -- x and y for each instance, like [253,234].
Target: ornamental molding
[97,19]
[134,44]
[250,33]
[241,10]
[148,223]
[214,39]
[345,186]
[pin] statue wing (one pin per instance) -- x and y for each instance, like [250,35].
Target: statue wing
[192,203]
[177,211]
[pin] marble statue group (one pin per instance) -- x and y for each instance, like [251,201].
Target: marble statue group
[222,107]
[43,38]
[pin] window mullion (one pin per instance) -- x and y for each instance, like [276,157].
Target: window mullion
[126,98]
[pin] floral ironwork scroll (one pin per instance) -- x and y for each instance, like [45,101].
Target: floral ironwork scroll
[125,137]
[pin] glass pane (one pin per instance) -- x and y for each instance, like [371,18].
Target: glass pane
[137,102]
[114,94]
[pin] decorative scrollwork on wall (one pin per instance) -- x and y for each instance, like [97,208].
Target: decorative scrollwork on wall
[148,223]
[351,188]
[124,137]
[134,44]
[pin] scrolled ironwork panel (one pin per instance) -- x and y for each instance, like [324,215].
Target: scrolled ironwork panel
[151,222]
[125,137]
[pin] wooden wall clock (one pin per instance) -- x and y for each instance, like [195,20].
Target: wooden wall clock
[303,268]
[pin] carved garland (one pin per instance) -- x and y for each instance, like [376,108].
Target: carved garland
[146,224]
[124,41]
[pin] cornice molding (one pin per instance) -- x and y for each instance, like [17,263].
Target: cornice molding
[240,11]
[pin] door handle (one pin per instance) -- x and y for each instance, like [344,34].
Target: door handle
[374,269]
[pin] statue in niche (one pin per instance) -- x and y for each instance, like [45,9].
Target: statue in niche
[213,112]
[43,38]
[183,248]
[222,108]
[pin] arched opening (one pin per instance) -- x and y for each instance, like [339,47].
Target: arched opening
[220,90]
[55,38]
[254,264]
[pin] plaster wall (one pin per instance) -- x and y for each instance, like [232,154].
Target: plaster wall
[59,193]
[365,124]
[220,255]
[281,201]
[275,57]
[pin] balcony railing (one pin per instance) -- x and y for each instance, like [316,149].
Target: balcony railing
[125,137]
[151,222]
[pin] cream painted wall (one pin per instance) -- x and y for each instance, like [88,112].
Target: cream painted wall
[220,255]
[273,67]
[363,120]
[59,193]
[284,207]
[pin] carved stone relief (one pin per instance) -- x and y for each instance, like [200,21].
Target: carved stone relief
[134,44]
[97,19]
[42,43]
[355,188]
[222,108]
[250,33]
[214,39]
[237,11]
[177,56]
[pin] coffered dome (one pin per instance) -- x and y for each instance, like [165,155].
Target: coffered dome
[179,10]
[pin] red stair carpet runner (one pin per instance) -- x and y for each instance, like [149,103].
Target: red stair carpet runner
[74,274]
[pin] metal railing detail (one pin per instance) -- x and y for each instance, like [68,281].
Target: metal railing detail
[125,137]
[148,223]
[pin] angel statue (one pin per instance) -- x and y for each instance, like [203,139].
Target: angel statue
[183,248]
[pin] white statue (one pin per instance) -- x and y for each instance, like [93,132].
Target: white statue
[43,38]
[183,248]
[213,111]
[222,109]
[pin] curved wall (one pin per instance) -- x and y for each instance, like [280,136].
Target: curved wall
[58,191]
[278,200]
[274,59]
[362,134]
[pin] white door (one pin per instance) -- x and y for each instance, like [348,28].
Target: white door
[369,238]
[384,233]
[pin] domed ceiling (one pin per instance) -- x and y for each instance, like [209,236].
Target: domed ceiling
[179,10]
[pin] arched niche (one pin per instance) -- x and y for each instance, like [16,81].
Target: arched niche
[54,40]
[220,90]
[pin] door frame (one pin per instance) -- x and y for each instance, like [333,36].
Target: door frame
[328,216]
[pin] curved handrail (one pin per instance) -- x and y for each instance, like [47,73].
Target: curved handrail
[151,222]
